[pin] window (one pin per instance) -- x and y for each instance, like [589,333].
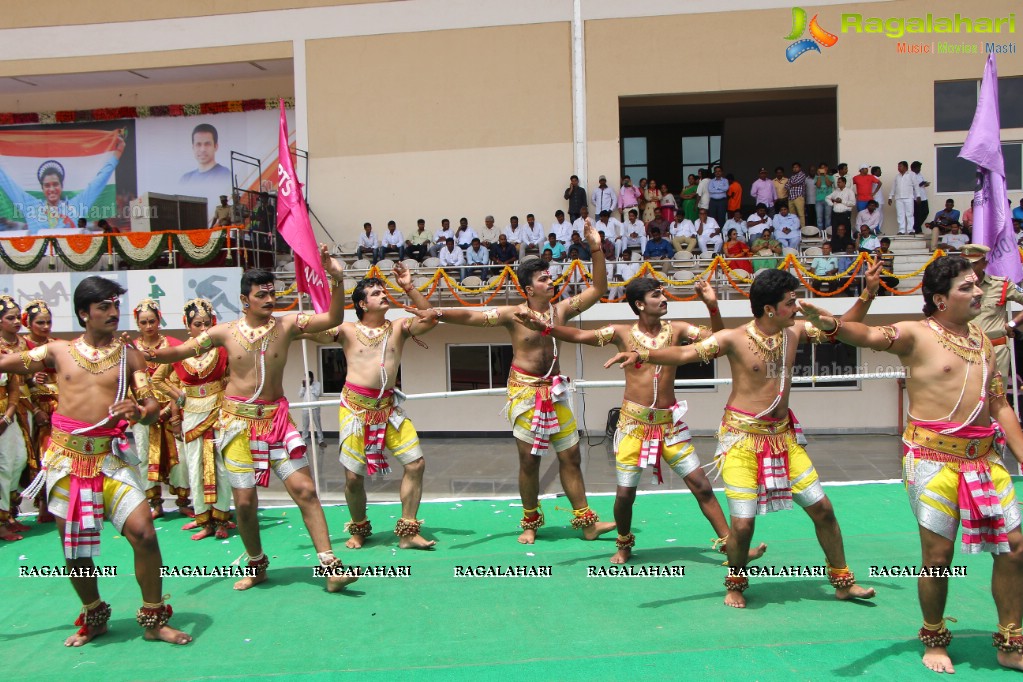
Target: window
[697,370]
[701,151]
[473,367]
[1010,101]
[956,101]
[816,360]
[334,370]
[957,175]
[634,162]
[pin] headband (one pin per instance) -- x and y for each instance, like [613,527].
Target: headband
[199,305]
[34,307]
[151,305]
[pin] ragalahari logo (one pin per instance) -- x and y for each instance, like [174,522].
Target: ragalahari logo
[817,36]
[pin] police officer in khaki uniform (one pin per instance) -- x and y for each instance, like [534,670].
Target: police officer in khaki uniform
[998,291]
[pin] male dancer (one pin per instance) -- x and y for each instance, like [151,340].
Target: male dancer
[760,452]
[86,480]
[953,466]
[538,395]
[651,423]
[255,432]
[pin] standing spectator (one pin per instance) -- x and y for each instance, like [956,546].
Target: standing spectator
[871,218]
[651,200]
[310,393]
[967,221]
[757,222]
[735,222]
[796,187]
[464,234]
[718,189]
[708,233]
[633,234]
[503,253]
[533,235]
[367,243]
[690,198]
[903,193]
[842,201]
[786,228]
[441,237]
[576,197]
[657,248]
[865,185]
[418,245]
[221,214]
[642,193]
[604,198]
[476,255]
[810,200]
[842,171]
[561,228]
[734,194]
[703,191]
[683,233]
[1017,213]
[878,193]
[922,208]
[668,206]
[824,185]
[762,191]
[391,242]
[488,235]
[781,188]
[628,197]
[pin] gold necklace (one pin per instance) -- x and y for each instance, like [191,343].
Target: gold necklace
[95,360]
[969,347]
[639,338]
[11,346]
[372,336]
[768,348]
[202,366]
[249,337]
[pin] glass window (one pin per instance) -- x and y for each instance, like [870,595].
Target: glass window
[1010,101]
[697,370]
[958,175]
[634,151]
[825,360]
[954,105]
[334,370]
[695,150]
[637,173]
[472,367]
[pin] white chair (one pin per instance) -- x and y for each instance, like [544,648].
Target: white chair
[286,268]
[411,263]
[682,259]
[361,264]
[385,264]
[789,250]
[813,252]
[683,275]
[431,262]
[811,232]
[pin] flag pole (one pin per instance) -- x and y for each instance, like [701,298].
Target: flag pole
[308,410]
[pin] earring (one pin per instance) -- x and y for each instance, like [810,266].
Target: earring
[770,314]
[942,307]
[245,305]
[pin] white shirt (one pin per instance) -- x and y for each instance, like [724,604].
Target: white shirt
[871,243]
[842,200]
[578,226]
[465,236]
[311,392]
[562,231]
[368,241]
[903,186]
[709,227]
[790,221]
[474,257]
[956,241]
[921,192]
[489,234]
[628,269]
[871,220]
[740,227]
[604,200]
[703,189]
[441,235]
[682,229]
[533,236]
[612,229]
[453,257]
[753,231]
[392,238]
[515,235]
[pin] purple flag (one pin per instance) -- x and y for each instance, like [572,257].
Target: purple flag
[992,221]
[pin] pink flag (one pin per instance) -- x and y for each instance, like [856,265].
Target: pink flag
[293,224]
[992,221]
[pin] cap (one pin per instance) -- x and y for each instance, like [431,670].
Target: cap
[602,178]
[864,165]
[974,252]
[223,196]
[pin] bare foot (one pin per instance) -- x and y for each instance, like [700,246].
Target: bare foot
[340,582]
[19,527]
[44,516]
[221,532]
[157,512]
[204,533]
[854,592]
[936,658]
[9,535]
[250,581]
[621,556]
[92,632]
[1012,660]
[735,599]
[757,552]
[191,525]
[596,530]
[187,511]
[355,542]
[528,537]
[416,542]
[166,633]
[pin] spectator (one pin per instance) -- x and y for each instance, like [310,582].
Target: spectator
[683,233]
[391,242]
[103,226]
[503,253]
[464,234]
[552,267]
[796,187]
[888,260]
[756,223]
[841,242]
[450,256]
[515,236]
[955,239]
[579,246]
[826,265]
[561,228]
[871,218]
[868,241]
[781,189]
[922,207]
[310,393]
[657,248]
[878,193]
[579,224]
[842,171]
[903,193]
[865,186]
[1017,228]
[476,255]
[718,189]
[762,191]
[703,190]
[604,198]
[609,226]
[239,211]
[735,222]
[824,185]
[734,194]
[367,243]
[607,246]
[668,205]
[786,228]
[967,221]
[441,237]
[768,248]
[736,251]
[690,198]
[533,236]
[576,197]
[488,235]
[418,245]
[651,200]
[628,197]
[810,199]
[1017,213]
[556,248]
[633,234]
[221,214]
[842,201]
[708,233]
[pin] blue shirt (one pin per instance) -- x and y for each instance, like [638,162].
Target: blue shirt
[1017,213]
[718,188]
[658,248]
[557,251]
[790,221]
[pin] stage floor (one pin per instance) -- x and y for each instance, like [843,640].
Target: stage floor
[434,625]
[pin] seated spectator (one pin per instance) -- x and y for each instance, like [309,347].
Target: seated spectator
[842,201]
[561,228]
[418,245]
[367,243]
[451,255]
[488,235]
[556,248]
[955,239]
[533,236]
[786,228]
[840,240]
[609,225]
[579,223]
[503,252]
[870,218]
[735,222]
[464,234]
[515,235]
[888,260]
[441,236]
[477,255]
[103,226]
[683,233]
[657,248]
[1017,228]
[1017,213]
[633,234]
[607,247]
[623,271]
[580,246]
[391,242]
[826,265]
[968,220]
[757,221]
[942,223]
[768,248]
[708,233]
[868,241]
[736,251]
[552,266]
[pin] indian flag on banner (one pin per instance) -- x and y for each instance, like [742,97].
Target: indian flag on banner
[51,178]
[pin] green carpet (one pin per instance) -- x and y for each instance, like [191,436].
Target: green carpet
[433,625]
